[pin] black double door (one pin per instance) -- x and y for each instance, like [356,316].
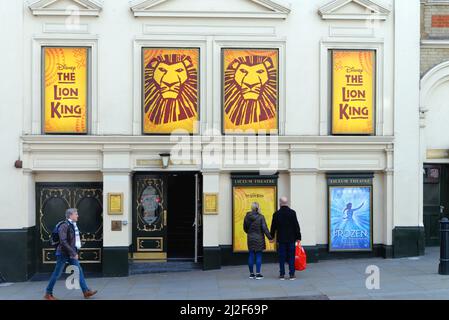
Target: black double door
[436,200]
[166,216]
[52,200]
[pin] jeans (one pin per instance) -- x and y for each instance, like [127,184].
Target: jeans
[286,252]
[258,255]
[61,260]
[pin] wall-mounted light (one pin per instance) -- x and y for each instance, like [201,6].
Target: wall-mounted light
[18,164]
[165,159]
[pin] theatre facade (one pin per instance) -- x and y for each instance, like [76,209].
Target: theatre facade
[162,121]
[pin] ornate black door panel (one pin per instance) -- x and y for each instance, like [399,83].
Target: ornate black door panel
[436,201]
[149,217]
[52,200]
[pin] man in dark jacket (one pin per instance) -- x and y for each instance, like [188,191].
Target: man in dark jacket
[67,252]
[285,228]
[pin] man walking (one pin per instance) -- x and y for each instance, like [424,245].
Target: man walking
[67,252]
[285,228]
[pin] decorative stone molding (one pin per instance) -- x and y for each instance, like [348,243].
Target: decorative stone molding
[432,79]
[138,153]
[369,10]
[146,8]
[50,8]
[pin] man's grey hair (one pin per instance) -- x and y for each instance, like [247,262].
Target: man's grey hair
[69,212]
[283,201]
[255,206]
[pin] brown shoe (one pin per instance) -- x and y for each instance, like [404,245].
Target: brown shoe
[49,297]
[89,293]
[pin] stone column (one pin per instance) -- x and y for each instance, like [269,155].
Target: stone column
[117,178]
[116,243]
[211,244]
[303,199]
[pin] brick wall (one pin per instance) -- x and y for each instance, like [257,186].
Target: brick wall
[435,22]
[430,57]
[434,26]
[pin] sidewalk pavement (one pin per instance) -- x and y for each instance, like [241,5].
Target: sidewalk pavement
[408,278]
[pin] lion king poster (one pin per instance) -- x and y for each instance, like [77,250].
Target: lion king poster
[353,91]
[65,90]
[250,91]
[170,99]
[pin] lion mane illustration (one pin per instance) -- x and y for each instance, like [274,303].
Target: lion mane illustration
[171,92]
[250,90]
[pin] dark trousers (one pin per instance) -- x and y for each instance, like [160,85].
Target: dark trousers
[286,251]
[257,256]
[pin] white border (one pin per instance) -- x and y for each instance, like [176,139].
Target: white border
[325,79]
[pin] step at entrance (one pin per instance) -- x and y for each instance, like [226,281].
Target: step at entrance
[162,267]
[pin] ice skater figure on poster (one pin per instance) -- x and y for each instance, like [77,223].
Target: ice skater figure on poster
[349,212]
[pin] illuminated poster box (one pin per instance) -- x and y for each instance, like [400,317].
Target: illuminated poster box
[350,213]
[250,91]
[353,92]
[170,90]
[245,191]
[65,90]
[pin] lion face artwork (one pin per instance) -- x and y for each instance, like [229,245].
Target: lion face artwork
[250,89]
[171,90]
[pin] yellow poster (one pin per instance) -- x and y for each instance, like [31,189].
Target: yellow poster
[353,91]
[171,99]
[65,90]
[250,90]
[244,196]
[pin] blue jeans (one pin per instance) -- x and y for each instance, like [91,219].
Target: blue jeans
[61,261]
[258,255]
[286,252]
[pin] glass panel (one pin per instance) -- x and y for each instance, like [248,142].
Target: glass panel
[170,90]
[250,91]
[353,92]
[431,194]
[151,204]
[65,90]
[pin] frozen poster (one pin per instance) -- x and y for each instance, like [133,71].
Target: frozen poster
[350,218]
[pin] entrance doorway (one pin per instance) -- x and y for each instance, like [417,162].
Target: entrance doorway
[436,200]
[167,217]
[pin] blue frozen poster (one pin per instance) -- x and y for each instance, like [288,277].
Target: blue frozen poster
[350,218]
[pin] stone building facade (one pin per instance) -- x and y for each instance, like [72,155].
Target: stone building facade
[136,205]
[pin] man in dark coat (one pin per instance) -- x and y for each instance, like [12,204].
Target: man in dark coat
[67,252]
[285,228]
[256,228]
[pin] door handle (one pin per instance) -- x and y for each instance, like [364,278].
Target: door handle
[195,221]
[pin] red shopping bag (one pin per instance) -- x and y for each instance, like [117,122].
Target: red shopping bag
[300,257]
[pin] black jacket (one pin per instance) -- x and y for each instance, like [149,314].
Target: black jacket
[285,225]
[256,228]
